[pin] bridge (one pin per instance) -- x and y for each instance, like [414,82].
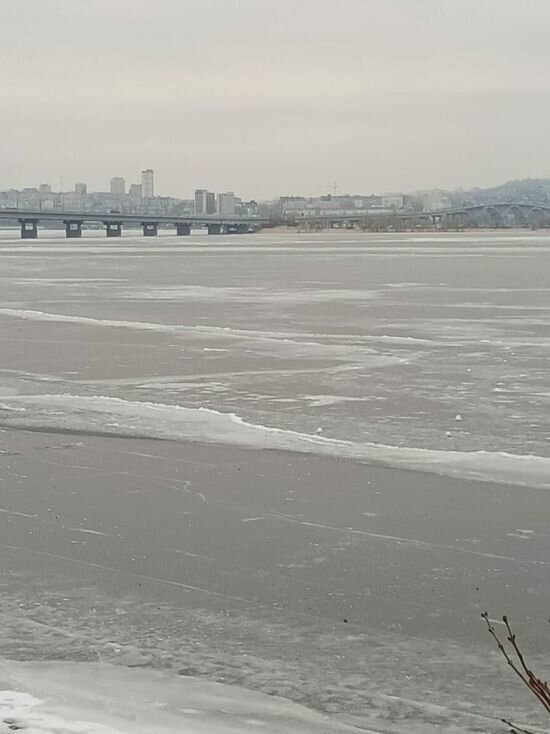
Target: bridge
[497,215]
[114,222]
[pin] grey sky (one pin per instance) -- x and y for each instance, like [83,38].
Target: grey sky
[274,96]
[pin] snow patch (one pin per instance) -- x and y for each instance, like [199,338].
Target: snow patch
[90,698]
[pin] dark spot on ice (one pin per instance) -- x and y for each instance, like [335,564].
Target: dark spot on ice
[346,621]
[13,725]
[187,671]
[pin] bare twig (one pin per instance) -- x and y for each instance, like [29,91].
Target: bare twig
[503,650]
[538,687]
[516,729]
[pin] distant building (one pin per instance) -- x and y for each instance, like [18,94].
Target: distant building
[135,193]
[29,198]
[227,203]
[210,203]
[72,201]
[247,208]
[205,202]
[118,186]
[295,207]
[393,201]
[147,184]
[200,201]
[185,207]
[47,199]
[292,204]
[435,200]
[81,188]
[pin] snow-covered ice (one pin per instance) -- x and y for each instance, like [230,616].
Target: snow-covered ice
[92,698]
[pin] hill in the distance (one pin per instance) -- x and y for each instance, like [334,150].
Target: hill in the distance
[524,191]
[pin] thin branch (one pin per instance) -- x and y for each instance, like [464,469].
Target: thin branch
[516,729]
[503,650]
[537,686]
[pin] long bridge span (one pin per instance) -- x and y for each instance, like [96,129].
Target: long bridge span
[115,221]
[497,215]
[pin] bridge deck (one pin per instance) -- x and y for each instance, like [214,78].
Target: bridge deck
[115,217]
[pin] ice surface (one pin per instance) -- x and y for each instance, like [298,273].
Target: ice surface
[114,416]
[90,698]
[292,345]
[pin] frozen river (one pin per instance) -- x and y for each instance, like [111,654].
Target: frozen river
[357,358]
[379,339]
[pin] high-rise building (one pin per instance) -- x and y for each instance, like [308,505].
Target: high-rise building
[205,202]
[210,203]
[135,193]
[80,188]
[227,203]
[200,201]
[147,184]
[118,186]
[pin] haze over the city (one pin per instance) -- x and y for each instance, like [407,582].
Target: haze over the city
[274,96]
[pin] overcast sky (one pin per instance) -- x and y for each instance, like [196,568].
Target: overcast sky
[274,96]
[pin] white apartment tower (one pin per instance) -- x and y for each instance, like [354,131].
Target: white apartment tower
[147,184]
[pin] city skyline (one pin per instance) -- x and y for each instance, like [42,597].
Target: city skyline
[263,97]
[528,199]
[531,190]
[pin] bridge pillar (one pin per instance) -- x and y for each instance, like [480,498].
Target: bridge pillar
[214,229]
[73,228]
[113,229]
[183,230]
[150,229]
[29,229]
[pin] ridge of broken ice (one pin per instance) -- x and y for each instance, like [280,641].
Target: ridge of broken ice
[102,415]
